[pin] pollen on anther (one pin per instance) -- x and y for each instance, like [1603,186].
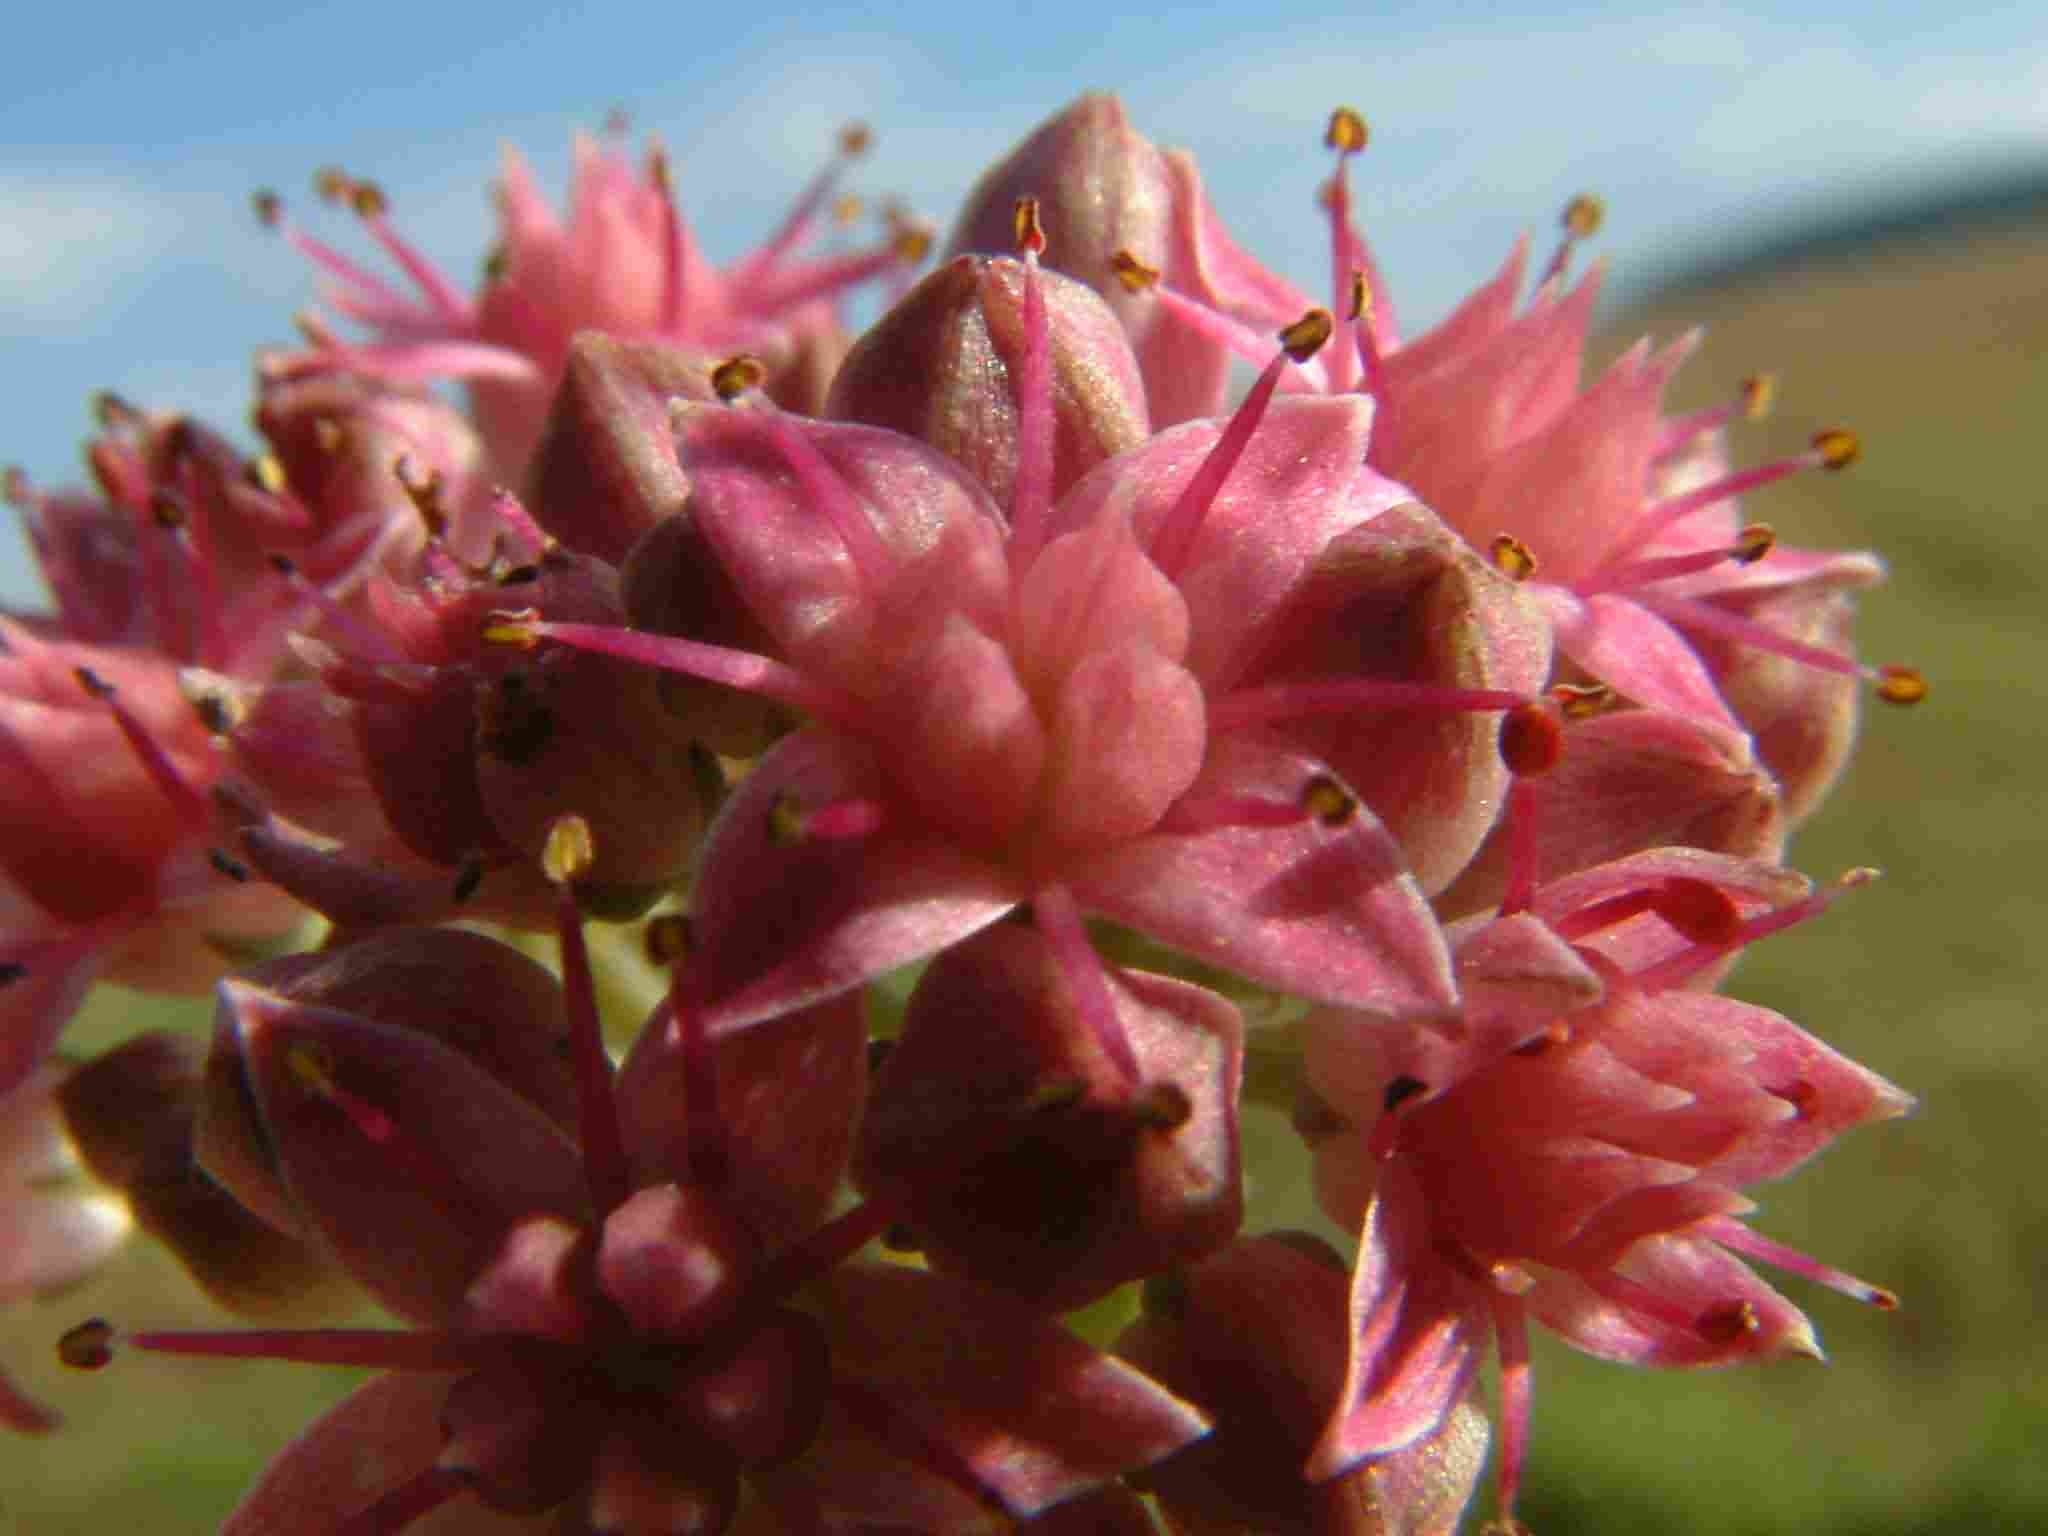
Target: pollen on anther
[1753,543]
[366,200]
[1838,447]
[569,851]
[1303,339]
[89,1346]
[1759,391]
[786,821]
[1361,296]
[1347,132]
[1583,216]
[855,138]
[1165,1107]
[1582,701]
[1511,557]
[1132,273]
[1025,228]
[1901,685]
[268,206]
[736,375]
[1328,801]
[519,627]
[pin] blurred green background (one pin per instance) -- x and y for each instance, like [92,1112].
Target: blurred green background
[1928,340]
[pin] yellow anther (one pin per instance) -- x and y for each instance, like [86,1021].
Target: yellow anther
[518,627]
[1328,801]
[1759,393]
[1753,543]
[846,208]
[166,510]
[1838,447]
[268,205]
[787,823]
[329,434]
[1361,296]
[1511,557]
[14,487]
[1347,133]
[568,852]
[367,201]
[658,170]
[331,183]
[266,473]
[1132,273]
[1576,701]
[1026,231]
[855,138]
[1583,216]
[1901,685]
[1303,339]
[736,375]
[113,413]
[1862,874]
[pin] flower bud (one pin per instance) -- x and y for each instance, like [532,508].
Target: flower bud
[942,365]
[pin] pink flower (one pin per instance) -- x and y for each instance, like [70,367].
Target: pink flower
[622,262]
[603,1279]
[1249,1333]
[1575,1152]
[1624,523]
[1003,711]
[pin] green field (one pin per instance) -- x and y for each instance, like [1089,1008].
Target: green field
[1930,1420]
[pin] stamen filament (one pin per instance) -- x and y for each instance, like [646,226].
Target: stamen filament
[390,1349]
[606,1167]
[745,670]
[1031,492]
[1511,1335]
[1733,1235]
[192,807]
[1174,539]
[1058,918]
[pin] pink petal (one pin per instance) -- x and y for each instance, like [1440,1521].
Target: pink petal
[1417,1334]
[1327,912]
[1637,653]
[1035,1415]
[781,925]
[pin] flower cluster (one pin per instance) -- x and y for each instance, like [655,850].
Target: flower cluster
[1000,739]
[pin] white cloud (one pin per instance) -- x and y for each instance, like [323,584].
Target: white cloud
[69,239]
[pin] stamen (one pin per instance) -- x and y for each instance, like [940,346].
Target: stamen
[1058,918]
[1322,799]
[1751,545]
[417,1164]
[823,488]
[1511,1335]
[825,1249]
[1031,492]
[1174,540]
[1511,557]
[379,1348]
[368,642]
[566,858]
[1347,135]
[1733,1235]
[1895,684]
[1832,450]
[1581,219]
[1719,942]
[1531,743]
[743,670]
[737,375]
[854,140]
[368,202]
[1752,402]
[192,806]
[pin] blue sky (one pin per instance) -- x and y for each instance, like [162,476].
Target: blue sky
[131,138]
